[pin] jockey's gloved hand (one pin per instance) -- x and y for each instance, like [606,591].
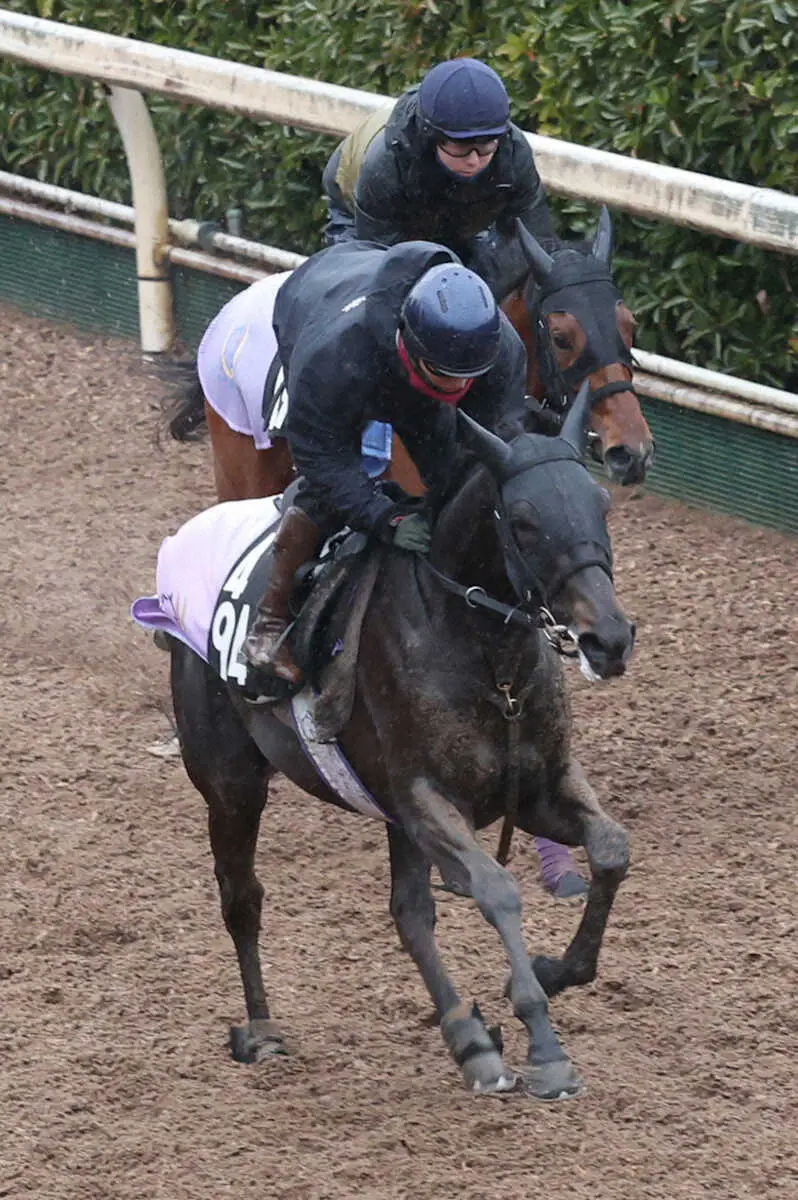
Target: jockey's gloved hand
[413,533]
[403,526]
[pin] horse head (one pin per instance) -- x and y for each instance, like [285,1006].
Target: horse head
[579,329]
[555,544]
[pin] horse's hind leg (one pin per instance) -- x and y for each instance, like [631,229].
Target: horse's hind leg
[241,471]
[413,910]
[228,769]
[607,848]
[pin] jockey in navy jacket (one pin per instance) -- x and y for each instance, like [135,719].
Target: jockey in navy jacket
[365,333]
[336,321]
[392,180]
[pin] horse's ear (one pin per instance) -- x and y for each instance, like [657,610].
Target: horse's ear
[489,449]
[539,260]
[602,242]
[574,429]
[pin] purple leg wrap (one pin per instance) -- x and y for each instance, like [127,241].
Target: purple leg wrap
[555,861]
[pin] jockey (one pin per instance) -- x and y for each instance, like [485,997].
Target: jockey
[444,164]
[364,333]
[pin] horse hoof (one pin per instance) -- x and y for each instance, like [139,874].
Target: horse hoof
[550,1081]
[255,1042]
[570,886]
[498,1085]
[551,974]
[474,1050]
[486,1075]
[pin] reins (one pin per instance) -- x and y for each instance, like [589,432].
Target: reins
[558,636]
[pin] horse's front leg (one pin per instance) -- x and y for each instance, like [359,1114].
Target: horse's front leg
[445,838]
[578,817]
[413,910]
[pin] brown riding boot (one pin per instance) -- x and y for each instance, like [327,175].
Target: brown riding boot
[295,544]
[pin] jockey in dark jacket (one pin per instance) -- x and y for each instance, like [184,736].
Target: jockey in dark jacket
[400,335]
[445,164]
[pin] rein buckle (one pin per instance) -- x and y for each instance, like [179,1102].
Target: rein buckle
[515,708]
[558,636]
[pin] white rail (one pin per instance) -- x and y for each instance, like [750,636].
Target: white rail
[758,215]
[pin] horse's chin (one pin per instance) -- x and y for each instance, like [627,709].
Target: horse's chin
[592,676]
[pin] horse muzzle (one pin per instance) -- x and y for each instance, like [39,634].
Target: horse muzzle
[627,464]
[605,650]
[604,635]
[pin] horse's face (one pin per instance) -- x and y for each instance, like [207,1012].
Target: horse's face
[584,332]
[553,528]
[557,549]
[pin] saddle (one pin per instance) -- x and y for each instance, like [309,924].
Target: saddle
[329,601]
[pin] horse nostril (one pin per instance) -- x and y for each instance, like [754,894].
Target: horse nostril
[607,656]
[619,457]
[624,466]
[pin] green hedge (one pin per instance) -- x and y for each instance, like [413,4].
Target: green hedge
[707,85]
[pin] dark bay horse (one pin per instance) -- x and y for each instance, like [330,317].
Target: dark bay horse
[455,667]
[575,327]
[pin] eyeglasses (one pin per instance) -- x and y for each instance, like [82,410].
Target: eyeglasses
[438,373]
[484,148]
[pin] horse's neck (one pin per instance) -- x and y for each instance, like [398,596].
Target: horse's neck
[467,548]
[516,308]
[466,541]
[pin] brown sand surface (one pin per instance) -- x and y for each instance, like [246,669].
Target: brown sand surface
[117,979]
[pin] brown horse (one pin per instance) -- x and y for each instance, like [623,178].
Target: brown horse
[574,325]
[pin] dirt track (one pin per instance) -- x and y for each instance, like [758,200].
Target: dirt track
[117,979]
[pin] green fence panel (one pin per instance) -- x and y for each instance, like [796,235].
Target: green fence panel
[50,273]
[91,284]
[701,460]
[733,468]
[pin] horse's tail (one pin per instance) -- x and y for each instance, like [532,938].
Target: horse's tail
[186,412]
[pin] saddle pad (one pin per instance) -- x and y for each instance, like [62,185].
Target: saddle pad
[329,760]
[196,563]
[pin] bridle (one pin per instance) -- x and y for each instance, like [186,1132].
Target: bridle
[534,609]
[560,385]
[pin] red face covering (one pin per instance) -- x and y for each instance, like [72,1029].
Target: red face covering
[421,385]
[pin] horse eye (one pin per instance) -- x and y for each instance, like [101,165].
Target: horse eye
[525,527]
[561,340]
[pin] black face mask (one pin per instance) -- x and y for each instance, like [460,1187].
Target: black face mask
[577,534]
[585,288]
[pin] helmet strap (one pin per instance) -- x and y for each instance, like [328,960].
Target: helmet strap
[421,385]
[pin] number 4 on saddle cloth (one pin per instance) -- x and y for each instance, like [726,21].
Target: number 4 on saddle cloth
[210,576]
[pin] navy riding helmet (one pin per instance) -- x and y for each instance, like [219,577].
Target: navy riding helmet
[450,320]
[464,98]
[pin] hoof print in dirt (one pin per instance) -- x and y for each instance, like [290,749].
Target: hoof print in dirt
[255,1042]
[550,1081]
